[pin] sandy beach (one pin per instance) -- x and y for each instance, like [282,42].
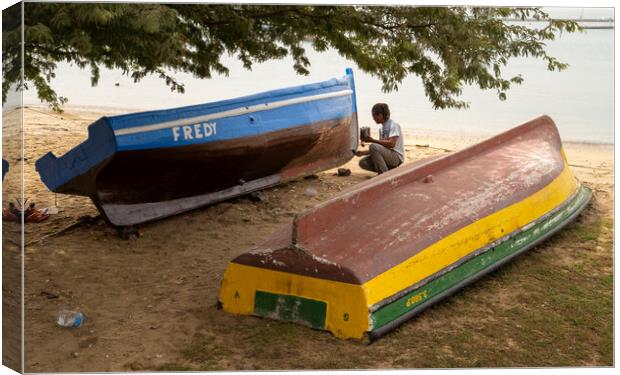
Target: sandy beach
[150,302]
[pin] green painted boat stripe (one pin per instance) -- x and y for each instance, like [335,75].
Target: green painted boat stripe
[290,308]
[469,270]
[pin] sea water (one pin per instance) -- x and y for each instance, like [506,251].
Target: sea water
[579,99]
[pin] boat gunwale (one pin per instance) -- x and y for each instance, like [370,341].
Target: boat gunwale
[234,112]
[475,253]
[389,326]
[291,91]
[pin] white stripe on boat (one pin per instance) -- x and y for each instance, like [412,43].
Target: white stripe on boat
[232,112]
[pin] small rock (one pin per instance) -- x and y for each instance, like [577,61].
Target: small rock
[49,295]
[311,192]
[75,354]
[343,172]
[428,179]
[311,177]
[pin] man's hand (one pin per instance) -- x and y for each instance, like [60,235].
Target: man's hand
[367,139]
[362,153]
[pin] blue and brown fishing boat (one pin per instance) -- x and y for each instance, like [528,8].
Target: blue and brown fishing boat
[149,165]
[373,256]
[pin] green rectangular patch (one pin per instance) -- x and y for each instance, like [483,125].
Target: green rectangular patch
[291,309]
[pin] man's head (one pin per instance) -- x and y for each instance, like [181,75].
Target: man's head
[380,113]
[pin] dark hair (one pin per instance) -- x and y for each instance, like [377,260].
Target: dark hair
[381,108]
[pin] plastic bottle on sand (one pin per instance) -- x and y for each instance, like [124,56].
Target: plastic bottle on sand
[70,319]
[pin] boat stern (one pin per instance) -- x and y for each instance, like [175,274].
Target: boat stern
[315,302]
[75,172]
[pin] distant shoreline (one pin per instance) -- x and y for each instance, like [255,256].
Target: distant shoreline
[420,133]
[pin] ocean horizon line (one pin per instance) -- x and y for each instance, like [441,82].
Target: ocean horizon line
[408,130]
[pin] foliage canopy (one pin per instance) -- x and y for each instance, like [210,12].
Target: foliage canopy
[447,47]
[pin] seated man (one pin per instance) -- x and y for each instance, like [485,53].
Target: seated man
[388,151]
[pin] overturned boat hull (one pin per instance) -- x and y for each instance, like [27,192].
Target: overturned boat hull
[146,166]
[372,257]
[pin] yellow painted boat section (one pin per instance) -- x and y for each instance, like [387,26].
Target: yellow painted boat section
[348,304]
